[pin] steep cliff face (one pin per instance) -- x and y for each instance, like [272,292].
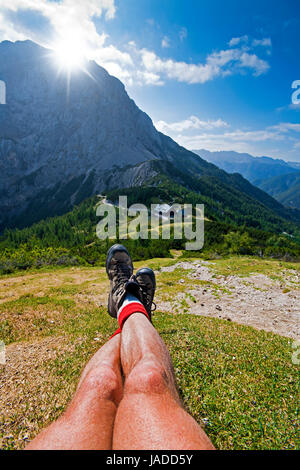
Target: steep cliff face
[52,132]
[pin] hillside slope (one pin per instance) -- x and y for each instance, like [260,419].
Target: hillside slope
[285,188]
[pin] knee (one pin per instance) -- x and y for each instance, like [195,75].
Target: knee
[147,377]
[102,381]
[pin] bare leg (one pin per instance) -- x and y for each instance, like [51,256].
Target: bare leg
[88,422]
[150,415]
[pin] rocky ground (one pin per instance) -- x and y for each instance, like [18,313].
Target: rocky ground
[256,300]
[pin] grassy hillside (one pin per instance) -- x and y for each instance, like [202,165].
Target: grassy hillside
[240,219]
[70,239]
[285,188]
[237,382]
[228,197]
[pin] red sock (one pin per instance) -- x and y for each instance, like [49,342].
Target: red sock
[126,311]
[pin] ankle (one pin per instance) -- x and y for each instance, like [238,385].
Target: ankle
[130,306]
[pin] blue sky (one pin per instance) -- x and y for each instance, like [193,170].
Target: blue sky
[211,74]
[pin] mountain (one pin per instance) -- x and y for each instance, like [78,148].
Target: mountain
[275,177]
[285,188]
[254,169]
[62,142]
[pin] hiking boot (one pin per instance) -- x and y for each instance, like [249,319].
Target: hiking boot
[119,269]
[145,278]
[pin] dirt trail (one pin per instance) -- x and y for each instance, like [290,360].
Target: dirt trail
[256,300]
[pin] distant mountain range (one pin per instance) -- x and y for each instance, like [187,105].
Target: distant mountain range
[60,145]
[278,178]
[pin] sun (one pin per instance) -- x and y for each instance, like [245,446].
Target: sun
[70,52]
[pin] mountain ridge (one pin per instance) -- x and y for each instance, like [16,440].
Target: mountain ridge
[274,171]
[58,147]
[254,169]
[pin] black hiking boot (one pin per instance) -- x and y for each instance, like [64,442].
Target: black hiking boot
[119,269]
[145,277]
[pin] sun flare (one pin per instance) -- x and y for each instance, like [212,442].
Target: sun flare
[70,53]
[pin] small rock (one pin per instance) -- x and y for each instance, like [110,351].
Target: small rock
[218,308]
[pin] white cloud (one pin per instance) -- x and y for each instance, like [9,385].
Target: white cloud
[265,42]
[244,40]
[74,8]
[258,142]
[251,61]
[111,53]
[192,122]
[235,41]
[148,78]
[165,42]
[214,136]
[228,140]
[220,63]
[8,31]
[284,127]
[65,17]
[180,71]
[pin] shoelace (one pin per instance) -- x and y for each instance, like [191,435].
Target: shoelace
[123,275]
[148,299]
[145,294]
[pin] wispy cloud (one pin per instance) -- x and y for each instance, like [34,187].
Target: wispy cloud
[166,42]
[183,33]
[214,135]
[265,42]
[191,123]
[235,41]
[284,127]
